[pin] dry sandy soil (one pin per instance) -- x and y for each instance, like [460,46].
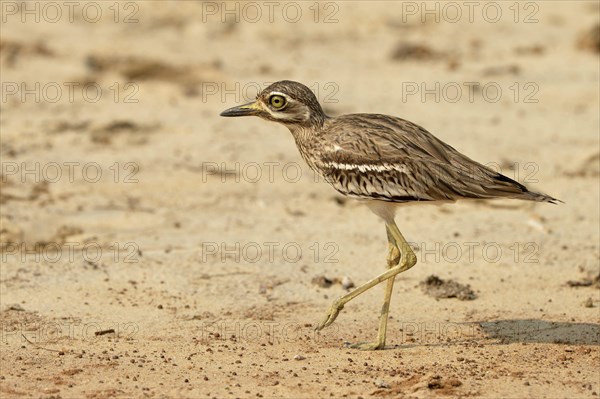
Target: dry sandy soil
[151,248]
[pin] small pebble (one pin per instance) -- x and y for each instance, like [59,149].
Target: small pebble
[381,384]
[299,357]
[347,283]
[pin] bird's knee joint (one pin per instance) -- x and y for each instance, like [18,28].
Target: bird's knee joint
[411,260]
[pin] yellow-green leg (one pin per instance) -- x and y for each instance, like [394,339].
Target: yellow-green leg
[400,258]
[392,260]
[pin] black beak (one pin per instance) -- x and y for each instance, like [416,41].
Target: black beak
[243,110]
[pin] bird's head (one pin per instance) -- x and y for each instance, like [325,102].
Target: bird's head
[287,102]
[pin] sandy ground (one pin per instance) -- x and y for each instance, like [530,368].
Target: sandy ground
[151,248]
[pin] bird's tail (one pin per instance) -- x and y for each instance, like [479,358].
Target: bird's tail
[540,197]
[524,193]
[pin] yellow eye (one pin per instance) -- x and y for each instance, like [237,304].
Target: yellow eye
[277,101]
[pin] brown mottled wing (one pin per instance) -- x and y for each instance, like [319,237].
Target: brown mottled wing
[381,157]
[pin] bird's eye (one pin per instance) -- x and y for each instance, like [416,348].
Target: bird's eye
[277,101]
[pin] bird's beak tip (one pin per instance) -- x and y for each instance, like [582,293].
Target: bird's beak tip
[242,110]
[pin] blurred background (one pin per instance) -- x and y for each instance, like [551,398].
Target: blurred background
[127,203]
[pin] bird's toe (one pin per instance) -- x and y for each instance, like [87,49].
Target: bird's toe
[368,346]
[330,317]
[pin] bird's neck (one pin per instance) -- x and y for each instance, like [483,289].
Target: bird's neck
[306,132]
[306,141]
[302,134]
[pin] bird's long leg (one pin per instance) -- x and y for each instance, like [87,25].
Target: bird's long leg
[392,260]
[407,260]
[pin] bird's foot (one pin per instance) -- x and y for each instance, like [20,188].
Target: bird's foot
[368,346]
[331,315]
